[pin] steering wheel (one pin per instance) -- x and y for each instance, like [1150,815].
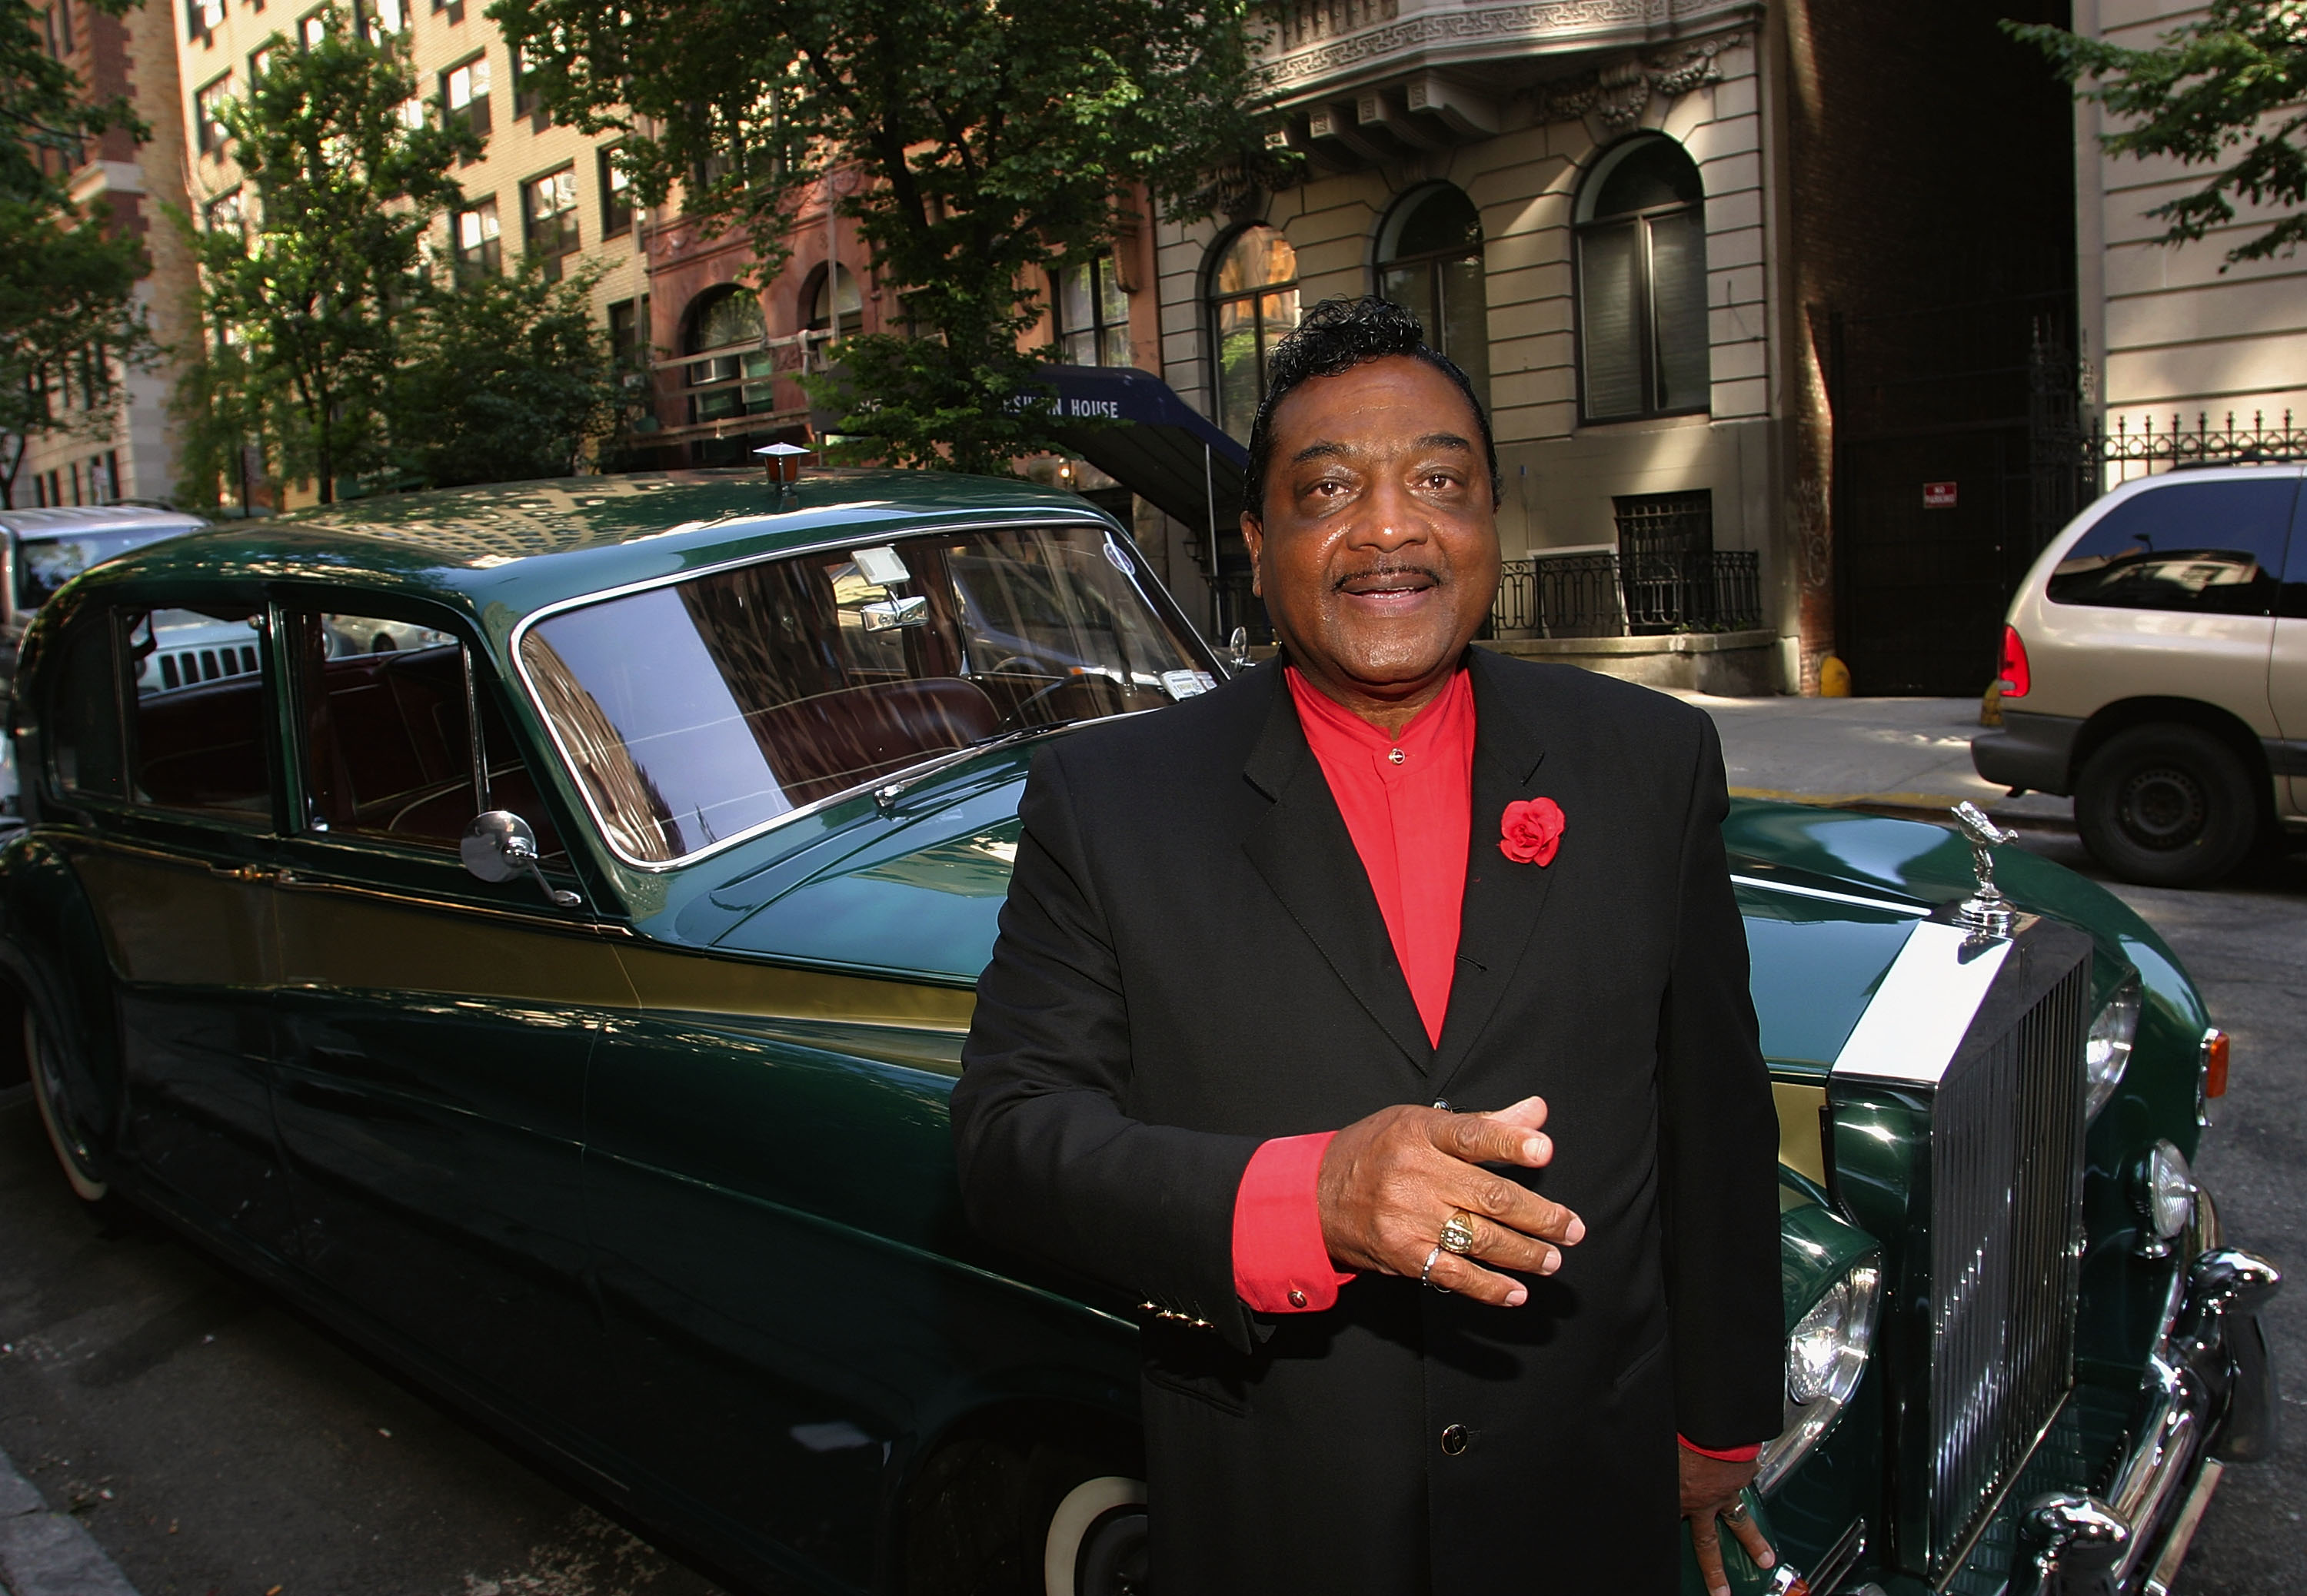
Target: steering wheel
[1016,664]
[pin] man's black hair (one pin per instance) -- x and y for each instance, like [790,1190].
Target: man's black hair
[1336,336]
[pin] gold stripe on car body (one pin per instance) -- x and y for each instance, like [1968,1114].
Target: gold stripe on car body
[1799,1146]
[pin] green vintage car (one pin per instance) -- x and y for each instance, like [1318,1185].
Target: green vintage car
[549,962]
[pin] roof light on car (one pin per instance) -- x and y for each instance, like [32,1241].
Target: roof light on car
[1826,1354]
[2106,1049]
[2016,679]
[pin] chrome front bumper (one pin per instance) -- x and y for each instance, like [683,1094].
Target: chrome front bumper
[2212,1401]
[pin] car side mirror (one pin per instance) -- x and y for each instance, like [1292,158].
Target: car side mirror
[500,845]
[889,615]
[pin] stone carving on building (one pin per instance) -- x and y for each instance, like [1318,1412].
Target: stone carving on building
[1617,94]
[1567,21]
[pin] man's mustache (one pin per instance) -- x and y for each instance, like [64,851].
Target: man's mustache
[1378,578]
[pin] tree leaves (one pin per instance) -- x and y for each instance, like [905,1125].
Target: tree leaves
[2234,79]
[994,138]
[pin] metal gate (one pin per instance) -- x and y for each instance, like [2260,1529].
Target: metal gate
[1935,487]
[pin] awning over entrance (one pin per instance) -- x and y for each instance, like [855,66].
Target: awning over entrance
[1133,426]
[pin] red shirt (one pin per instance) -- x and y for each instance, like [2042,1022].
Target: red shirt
[1408,804]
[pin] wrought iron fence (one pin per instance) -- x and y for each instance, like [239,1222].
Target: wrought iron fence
[1598,594]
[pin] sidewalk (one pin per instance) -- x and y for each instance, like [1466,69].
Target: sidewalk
[48,1554]
[1900,754]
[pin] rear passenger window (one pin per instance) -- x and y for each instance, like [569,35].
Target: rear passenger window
[388,736]
[2211,548]
[84,713]
[197,729]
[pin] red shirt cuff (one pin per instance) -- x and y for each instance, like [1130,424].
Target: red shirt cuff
[1734,1455]
[1280,1263]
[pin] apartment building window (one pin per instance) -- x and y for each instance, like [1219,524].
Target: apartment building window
[628,334]
[616,196]
[208,116]
[466,88]
[1091,310]
[525,101]
[1641,230]
[57,19]
[479,249]
[311,29]
[1253,307]
[203,18]
[1430,254]
[226,214]
[260,62]
[382,18]
[548,207]
[832,291]
[454,10]
[737,375]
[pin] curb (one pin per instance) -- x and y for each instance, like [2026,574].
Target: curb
[49,1554]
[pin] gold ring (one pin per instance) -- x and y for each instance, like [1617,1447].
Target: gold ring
[1458,1234]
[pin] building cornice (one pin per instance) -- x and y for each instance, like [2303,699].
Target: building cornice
[1473,34]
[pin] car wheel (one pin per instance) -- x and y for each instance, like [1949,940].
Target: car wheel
[1096,1543]
[2166,807]
[59,1117]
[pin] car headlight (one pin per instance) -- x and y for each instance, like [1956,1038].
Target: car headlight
[2106,1050]
[2164,1192]
[1826,1354]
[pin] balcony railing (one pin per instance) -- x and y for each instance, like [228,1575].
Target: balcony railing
[1597,594]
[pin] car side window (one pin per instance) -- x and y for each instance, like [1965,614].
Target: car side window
[83,717]
[2293,600]
[197,738]
[384,708]
[2210,548]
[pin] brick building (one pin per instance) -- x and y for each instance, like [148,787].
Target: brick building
[133,57]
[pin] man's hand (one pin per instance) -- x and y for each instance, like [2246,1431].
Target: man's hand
[1710,1493]
[1389,1183]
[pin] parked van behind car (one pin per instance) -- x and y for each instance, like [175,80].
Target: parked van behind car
[2155,667]
[41,550]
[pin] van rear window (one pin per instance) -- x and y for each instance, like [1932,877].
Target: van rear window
[2212,547]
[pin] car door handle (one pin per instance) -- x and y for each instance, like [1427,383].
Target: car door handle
[254,875]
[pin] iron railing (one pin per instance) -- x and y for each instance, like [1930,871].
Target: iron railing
[1603,594]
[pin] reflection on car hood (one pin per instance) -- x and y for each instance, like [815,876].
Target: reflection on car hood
[1828,897]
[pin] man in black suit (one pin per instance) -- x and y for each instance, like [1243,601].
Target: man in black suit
[1381,1018]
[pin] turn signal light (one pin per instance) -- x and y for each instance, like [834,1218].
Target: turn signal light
[2016,679]
[2215,1063]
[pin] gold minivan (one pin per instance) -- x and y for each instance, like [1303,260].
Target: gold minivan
[2155,665]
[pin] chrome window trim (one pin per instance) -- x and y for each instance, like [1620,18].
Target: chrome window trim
[850,539]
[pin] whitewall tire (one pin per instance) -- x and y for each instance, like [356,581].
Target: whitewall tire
[1098,1531]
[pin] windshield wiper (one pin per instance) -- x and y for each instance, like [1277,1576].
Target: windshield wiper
[886,797]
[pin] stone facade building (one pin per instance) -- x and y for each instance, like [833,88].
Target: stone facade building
[133,57]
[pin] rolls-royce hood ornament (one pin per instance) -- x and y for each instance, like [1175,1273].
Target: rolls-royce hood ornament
[1985,911]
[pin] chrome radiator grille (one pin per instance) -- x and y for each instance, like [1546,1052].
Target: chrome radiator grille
[2006,1166]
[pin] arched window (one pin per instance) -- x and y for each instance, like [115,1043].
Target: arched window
[1253,306]
[1642,282]
[1429,261]
[734,380]
[843,293]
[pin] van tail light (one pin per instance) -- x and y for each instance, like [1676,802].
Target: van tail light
[2016,679]
[2215,1063]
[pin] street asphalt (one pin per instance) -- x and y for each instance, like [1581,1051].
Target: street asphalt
[215,1444]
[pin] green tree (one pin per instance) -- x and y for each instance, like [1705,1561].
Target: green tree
[344,171]
[993,138]
[503,378]
[68,317]
[2226,90]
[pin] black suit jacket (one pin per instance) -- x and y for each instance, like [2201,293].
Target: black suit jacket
[1191,961]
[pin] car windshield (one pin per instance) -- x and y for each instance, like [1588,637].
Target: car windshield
[695,713]
[45,564]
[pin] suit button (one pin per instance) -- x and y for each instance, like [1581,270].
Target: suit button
[1453,1439]
[1297,1299]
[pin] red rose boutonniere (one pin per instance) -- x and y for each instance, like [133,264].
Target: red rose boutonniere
[1531,830]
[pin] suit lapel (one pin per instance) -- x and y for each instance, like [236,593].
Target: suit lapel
[1302,849]
[1503,898]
